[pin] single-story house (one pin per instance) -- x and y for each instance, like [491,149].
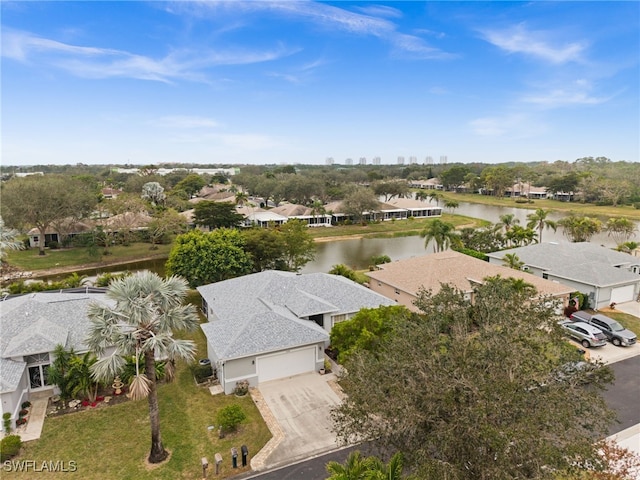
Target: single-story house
[32,325]
[415,208]
[604,275]
[430,184]
[275,324]
[306,214]
[403,279]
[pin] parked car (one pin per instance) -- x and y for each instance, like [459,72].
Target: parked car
[616,333]
[585,333]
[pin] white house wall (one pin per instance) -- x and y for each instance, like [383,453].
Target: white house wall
[12,401]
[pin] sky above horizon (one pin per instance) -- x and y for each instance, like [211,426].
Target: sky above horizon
[256,81]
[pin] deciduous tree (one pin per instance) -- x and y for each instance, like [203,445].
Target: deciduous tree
[204,258]
[299,246]
[37,201]
[473,391]
[216,215]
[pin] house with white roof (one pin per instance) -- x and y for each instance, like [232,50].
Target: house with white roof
[32,325]
[604,275]
[275,324]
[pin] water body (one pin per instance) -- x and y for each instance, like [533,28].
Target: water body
[357,253]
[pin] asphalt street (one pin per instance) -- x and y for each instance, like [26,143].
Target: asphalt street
[622,397]
[624,394]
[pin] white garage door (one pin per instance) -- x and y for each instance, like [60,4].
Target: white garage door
[622,294]
[286,364]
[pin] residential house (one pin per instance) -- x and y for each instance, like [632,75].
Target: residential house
[604,275]
[402,280]
[430,184]
[32,325]
[275,324]
[306,214]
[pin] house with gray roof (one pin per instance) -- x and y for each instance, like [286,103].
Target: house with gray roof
[31,327]
[604,275]
[275,324]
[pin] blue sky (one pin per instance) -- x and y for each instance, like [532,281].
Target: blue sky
[297,82]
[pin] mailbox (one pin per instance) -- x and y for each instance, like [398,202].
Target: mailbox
[245,454]
[234,457]
[218,459]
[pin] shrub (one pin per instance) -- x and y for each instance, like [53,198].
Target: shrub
[636,205]
[242,388]
[6,420]
[230,417]
[23,412]
[26,404]
[9,447]
[201,372]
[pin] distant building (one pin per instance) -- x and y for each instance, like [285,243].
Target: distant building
[362,161]
[400,160]
[376,160]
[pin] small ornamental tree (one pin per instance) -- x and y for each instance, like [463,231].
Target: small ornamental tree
[230,417]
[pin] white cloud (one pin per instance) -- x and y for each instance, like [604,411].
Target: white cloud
[380,11]
[92,62]
[536,44]
[331,17]
[575,93]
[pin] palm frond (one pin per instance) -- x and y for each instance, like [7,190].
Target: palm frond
[140,387]
[107,368]
[184,349]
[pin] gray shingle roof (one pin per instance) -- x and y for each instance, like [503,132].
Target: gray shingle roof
[260,312]
[35,323]
[10,374]
[583,262]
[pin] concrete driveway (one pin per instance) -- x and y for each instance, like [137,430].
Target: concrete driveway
[299,417]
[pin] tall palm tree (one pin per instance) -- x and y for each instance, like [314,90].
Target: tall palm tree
[241,198]
[435,196]
[442,233]
[147,312]
[539,221]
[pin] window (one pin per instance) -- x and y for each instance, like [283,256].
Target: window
[545,276]
[38,370]
[338,318]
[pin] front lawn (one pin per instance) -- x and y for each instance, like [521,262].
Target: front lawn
[113,442]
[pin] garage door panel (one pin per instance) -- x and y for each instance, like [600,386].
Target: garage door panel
[622,294]
[286,364]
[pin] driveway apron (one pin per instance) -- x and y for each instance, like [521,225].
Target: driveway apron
[301,406]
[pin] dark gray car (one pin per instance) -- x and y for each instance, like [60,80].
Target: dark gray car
[616,333]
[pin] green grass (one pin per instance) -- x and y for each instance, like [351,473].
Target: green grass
[29,260]
[587,209]
[113,442]
[398,228]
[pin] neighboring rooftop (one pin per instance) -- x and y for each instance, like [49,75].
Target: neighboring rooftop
[456,269]
[584,262]
[259,312]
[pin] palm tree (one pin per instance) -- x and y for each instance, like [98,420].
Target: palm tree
[435,196]
[8,239]
[147,311]
[539,221]
[508,220]
[390,471]
[421,195]
[241,198]
[81,377]
[59,372]
[317,209]
[451,204]
[512,260]
[355,468]
[442,233]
